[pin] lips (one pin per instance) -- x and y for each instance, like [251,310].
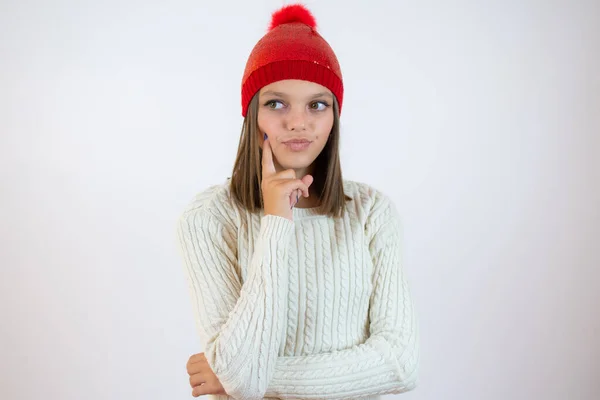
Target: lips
[297,145]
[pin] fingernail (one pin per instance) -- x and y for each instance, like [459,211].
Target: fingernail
[266,136]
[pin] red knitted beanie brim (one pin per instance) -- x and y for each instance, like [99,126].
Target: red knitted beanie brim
[291,49]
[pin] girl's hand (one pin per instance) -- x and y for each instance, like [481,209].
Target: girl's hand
[202,378]
[279,189]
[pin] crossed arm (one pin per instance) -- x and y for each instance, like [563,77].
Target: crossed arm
[241,325]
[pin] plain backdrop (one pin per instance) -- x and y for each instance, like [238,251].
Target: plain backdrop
[480,119]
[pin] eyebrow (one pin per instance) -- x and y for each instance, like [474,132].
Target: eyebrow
[280,94]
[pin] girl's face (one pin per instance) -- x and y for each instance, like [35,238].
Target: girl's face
[297,116]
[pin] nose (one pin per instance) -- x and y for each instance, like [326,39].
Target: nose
[296,121]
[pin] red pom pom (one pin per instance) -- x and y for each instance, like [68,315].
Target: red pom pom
[292,13]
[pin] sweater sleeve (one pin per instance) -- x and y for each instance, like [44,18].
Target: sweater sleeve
[387,362]
[239,325]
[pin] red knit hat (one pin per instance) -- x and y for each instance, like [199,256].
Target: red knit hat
[291,49]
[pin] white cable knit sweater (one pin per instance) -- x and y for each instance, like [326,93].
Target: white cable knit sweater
[315,308]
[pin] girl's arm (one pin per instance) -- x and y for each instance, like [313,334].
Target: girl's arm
[388,360]
[239,325]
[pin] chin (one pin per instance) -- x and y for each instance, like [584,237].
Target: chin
[294,165]
[295,162]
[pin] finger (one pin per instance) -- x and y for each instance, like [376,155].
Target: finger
[291,193]
[195,368]
[197,380]
[308,180]
[268,167]
[195,363]
[289,186]
[197,358]
[294,198]
[203,389]
[198,391]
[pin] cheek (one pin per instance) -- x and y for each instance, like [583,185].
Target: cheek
[269,125]
[260,119]
[266,119]
[324,127]
[263,125]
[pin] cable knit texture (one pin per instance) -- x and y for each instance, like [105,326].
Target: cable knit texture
[314,308]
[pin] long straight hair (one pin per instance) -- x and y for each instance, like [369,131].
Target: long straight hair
[247,170]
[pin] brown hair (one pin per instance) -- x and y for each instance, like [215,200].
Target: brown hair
[247,169]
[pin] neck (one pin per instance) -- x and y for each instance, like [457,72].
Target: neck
[310,202]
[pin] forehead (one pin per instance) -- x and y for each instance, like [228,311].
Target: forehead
[295,87]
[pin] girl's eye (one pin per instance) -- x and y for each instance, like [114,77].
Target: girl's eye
[315,105]
[272,104]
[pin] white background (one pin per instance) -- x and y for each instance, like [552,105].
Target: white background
[480,119]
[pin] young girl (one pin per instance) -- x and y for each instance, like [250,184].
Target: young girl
[296,274]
